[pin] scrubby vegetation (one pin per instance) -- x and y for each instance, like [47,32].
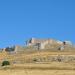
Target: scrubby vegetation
[5,63]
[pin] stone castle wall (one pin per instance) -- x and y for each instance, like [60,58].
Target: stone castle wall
[42,42]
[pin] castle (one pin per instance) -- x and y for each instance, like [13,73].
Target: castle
[41,43]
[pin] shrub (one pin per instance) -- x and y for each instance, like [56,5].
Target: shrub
[5,63]
[35,60]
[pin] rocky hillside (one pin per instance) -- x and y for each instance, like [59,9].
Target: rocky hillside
[37,52]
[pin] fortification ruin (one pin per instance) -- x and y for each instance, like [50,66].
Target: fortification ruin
[41,43]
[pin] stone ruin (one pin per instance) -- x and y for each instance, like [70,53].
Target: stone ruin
[41,43]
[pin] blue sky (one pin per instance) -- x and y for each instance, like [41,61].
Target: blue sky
[23,19]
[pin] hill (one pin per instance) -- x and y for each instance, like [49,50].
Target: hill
[40,57]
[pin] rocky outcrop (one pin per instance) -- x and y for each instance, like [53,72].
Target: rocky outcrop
[57,58]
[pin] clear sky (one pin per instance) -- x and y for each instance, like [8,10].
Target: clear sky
[23,19]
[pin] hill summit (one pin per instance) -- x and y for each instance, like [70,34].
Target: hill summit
[40,44]
[39,50]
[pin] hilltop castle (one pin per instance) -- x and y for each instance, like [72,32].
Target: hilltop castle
[41,43]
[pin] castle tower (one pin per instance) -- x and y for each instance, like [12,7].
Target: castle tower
[30,42]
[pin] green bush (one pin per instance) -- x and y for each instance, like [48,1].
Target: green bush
[5,63]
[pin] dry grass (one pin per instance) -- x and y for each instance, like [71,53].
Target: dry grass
[43,66]
[47,68]
[39,69]
[37,72]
